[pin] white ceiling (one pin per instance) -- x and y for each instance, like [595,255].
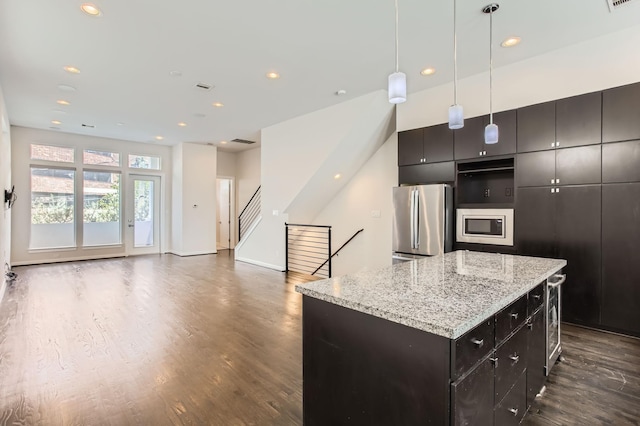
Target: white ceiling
[318,46]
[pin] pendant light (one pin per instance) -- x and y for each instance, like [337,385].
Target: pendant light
[491,131]
[456,113]
[397,80]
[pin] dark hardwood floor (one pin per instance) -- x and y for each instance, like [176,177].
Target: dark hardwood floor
[202,340]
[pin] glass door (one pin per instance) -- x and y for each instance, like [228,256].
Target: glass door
[143,215]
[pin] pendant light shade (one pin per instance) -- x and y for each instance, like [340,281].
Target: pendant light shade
[456,113]
[456,117]
[491,132]
[397,87]
[397,80]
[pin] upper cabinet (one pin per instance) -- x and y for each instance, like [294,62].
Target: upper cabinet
[537,127]
[620,119]
[427,145]
[469,141]
[578,120]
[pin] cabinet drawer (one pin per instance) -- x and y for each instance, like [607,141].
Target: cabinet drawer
[510,318]
[472,397]
[512,361]
[472,347]
[511,410]
[535,299]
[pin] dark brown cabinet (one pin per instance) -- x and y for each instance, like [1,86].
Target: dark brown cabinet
[536,355]
[620,108]
[579,120]
[621,162]
[565,222]
[536,127]
[469,141]
[426,145]
[472,396]
[427,173]
[512,361]
[567,166]
[511,410]
[620,248]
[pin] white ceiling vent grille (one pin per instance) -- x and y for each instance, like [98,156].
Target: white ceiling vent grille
[243,141]
[616,4]
[203,86]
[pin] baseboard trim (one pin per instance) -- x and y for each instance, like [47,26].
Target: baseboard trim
[192,253]
[262,264]
[66,259]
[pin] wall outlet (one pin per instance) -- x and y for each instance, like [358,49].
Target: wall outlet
[375,213]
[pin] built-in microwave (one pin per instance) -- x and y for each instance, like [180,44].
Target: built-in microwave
[485,226]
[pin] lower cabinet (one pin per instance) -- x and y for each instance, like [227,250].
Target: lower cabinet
[536,355]
[472,396]
[513,407]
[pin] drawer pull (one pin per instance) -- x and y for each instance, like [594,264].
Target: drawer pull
[513,411]
[537,296]
[514,315]
[530,325]
[514,358]
[477,342]
[494,361]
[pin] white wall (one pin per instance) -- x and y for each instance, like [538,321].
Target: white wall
[589,66]
[247,176]
[226,164]
[23,137]
[295,153]
[5,183]
[357,206]
[194,203]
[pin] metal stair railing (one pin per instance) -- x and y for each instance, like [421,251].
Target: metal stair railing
[249,213]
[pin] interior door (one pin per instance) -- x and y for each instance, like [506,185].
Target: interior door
[223,227]
[143,215]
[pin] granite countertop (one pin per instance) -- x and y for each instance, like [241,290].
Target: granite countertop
[446,295]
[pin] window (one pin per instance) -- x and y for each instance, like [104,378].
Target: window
[52,208]
[144,162]
[52,153]
[101,158]
[101,213]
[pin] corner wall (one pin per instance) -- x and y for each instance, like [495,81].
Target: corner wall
[5,183]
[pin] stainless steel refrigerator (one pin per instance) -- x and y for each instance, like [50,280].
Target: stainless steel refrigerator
[422,221]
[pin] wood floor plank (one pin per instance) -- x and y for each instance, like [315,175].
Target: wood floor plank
[204,340]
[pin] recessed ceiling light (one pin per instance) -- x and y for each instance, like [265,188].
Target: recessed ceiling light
[56,122]
[72,70]
[218,104]
[159,138]
[428,71]
[66,88]
[337,176]
[182,124]
[273,75]
[223,142]
[63,102]
[511,41]
[90,9]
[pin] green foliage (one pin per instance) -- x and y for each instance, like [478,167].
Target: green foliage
[103,209]
[143,198]
[51,209]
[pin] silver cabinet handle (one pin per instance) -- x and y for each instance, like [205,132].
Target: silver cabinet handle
[563,278]
[513,411]
[537,296]
[131,226]
[514,315]
[477,342]
[515,358]
[494,361]
[553,144]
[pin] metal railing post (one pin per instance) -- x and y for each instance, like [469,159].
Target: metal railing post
[286,246]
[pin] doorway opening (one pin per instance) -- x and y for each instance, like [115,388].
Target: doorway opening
[225,213]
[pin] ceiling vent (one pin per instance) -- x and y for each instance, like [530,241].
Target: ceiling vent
[203,86]
[242,141]
[616,4]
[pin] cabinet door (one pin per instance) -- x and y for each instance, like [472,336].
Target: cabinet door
[511,410]
[581,165]
[469,141]
[620,108]
[536,355]
[534,231]
[535,168]
[536,127]
[512,362]
[427,173]
[472,397]
[620,248]
[506,122]
[579,120]
[438,143]
[578,237]
[620,162]
[410,145]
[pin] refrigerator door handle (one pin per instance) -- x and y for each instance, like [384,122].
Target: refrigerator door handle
[412,212]
[417,218]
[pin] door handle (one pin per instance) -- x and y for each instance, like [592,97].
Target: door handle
[131,226]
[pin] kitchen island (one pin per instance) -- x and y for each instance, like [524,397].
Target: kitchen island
[450,339]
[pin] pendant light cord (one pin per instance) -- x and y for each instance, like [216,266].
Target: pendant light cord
[455,57]
[397,66]
[491,65]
